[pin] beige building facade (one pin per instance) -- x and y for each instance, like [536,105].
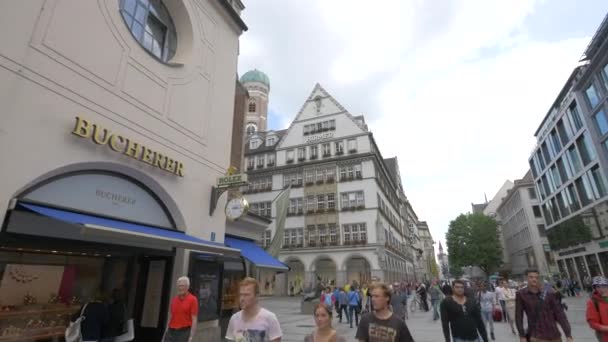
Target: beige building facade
[109,154]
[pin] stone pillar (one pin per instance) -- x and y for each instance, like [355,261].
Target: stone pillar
[378,274]
[341,278]
[280,288]
[310,279]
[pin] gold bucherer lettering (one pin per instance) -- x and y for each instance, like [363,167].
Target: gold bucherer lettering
[102,136]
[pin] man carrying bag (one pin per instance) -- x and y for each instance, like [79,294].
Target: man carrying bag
[543,312]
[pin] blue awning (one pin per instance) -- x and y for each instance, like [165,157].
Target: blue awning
[168,237]
[254,253]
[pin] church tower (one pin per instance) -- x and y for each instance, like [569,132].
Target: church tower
[256,108]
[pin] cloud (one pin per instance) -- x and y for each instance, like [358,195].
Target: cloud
[454,88]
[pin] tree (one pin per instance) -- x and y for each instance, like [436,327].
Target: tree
[434,270]
[472,240]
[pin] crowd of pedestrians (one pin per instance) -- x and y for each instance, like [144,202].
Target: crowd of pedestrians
[378,311]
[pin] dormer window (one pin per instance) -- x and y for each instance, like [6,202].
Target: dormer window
[271,141]
[253,144]
[251,107]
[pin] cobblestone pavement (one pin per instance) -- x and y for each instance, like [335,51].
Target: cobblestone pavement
[295,325]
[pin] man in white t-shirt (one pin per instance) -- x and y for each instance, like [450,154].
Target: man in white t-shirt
[500,297]
[253,323]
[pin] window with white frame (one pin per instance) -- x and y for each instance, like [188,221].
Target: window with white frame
[261,161]
[306,129]
[321,202]
[310,176]
[330,174]
[354,199]
[289,155]
[339,147]
[254,143]
[346,233]
[262,208]
[354,231]
[314,152]
[320,175]
[267,238]
[311,231]
[333,234]
[311,203]
[293,237]
[325,125]
[352,145]
[270,160]
[300,236]
[301,153]
[357,168]
[332,125]
[286,238]
[322,229]
[331,201]
[270,141]
[326,149]
[250,163]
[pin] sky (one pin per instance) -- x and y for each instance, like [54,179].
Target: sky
[455,89]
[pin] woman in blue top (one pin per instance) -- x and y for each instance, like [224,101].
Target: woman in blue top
[354,300]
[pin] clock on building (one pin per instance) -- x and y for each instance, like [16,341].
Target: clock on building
[236,208]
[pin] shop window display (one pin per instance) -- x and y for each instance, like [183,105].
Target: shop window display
[40,292]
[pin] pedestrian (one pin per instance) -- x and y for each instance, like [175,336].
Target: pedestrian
[364,298]
[324,331]
[446,289]
[183,314]
[96,318]
[399,302]
[343,300]
[327,298]
[337,302]
[253,323]
[422,293]
[117,314]
[542,311]
[381,325]
[500,297]
[436,296]
[597,308]
[509,296]
[462,316]
[354,300]
[487,302]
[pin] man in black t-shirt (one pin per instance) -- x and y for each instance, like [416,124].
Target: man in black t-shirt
[381,325]
[462,316]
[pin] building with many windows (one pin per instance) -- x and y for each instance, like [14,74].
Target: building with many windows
[523,230]
[348,219]
[569,166]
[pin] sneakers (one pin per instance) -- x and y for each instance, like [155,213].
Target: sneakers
[492,336]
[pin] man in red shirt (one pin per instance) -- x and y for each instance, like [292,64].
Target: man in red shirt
[184,312]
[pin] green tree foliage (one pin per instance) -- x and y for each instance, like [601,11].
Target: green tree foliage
[569,233]
[472,240]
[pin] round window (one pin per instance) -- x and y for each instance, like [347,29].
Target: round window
[151,25]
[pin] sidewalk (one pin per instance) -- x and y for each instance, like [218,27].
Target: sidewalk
[295,325]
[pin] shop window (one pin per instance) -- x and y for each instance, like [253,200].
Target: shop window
[205,284]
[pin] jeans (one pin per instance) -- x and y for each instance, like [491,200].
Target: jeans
[177,335]
[353,309]
[435,303]
[345,309]
[503,306]
[487,318]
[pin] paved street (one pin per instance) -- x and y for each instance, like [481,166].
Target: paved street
[295,325]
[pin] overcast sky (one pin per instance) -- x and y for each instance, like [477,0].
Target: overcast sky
[454,88]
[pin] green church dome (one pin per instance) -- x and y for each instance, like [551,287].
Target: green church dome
[255,76]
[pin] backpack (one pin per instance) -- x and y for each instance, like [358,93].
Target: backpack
[596,304]
[72,332]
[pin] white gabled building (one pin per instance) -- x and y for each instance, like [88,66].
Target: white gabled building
[344,222]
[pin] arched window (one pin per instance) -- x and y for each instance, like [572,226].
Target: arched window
[151,26]
[251,107]
[251,128]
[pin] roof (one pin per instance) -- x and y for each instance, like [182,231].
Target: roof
[255,75]
[478,208]
[263,147]
[391,165]
[596,42]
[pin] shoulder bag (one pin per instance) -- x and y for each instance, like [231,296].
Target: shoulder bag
[72,332]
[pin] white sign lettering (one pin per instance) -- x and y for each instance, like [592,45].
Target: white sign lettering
[319,137]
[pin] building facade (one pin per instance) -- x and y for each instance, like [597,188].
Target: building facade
[569,166]
[110,157]
[427,262]
[344,220]
[523,230]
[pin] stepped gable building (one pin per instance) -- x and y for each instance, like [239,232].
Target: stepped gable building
[348,219]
